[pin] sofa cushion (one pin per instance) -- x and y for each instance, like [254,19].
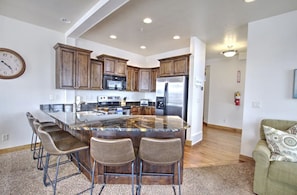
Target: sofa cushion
[284,172]
[283,145]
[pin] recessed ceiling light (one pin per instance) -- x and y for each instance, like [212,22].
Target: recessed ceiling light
[113,36]
[176,37]
[143,47]
[65,20]
[249,1]
[147,20]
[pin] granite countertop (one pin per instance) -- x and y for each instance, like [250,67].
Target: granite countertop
[93,121]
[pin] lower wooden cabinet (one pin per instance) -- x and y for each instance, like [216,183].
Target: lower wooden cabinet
[142,110]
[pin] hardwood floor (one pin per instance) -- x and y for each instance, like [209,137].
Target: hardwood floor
[218,147]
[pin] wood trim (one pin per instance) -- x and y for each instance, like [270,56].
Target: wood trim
[235,130]
[244,158]
[188,143]
[15,149]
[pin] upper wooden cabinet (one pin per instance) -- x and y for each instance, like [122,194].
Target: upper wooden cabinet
[132,78]
[72,67]
[113,65]
[154,76]
[174,66]
[96,74]
[145,79]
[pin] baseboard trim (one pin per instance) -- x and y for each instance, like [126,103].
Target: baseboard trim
[188,143]
[244,158]
[235,130]
[15,149]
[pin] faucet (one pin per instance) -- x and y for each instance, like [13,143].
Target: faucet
[78,103]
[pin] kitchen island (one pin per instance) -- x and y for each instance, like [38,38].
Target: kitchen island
[85,125]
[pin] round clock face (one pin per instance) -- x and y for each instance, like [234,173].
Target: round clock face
[12,65]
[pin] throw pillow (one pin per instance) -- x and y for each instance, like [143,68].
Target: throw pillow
[293,130]
[283,145]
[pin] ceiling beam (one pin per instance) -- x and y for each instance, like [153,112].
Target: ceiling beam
[95,15]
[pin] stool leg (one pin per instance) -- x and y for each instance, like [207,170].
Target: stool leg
[56,176]
[140,177]
[93,175]
[40,156]
[45,170]
[178,169]
[132,175]
[104,179]
[78,161]
[32,141]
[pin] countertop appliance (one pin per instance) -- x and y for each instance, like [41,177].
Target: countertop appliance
[172,96]
[144,102]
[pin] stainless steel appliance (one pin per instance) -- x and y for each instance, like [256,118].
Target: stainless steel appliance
[112,105]
[144,102]
[114,82]
[172,96]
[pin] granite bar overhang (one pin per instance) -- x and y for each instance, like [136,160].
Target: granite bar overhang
[91,121]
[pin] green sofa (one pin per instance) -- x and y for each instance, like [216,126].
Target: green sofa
[273,177]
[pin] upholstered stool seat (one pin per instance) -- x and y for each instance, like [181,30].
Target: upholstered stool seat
[160,152]
[113,152]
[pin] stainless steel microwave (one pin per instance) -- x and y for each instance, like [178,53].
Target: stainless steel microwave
[114,82]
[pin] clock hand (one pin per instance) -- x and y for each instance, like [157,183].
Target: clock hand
[6,64]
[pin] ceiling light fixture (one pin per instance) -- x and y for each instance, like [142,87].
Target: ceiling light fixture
[176,37]
[113,36]
[249,1]
[229,53]
[143,47]
[147,20]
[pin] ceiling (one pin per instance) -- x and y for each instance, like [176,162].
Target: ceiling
[218,23]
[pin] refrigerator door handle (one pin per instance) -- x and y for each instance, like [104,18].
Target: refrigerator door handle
[165,98]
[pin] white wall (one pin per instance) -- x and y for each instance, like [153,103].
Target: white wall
[26,93]
[222,84]
[271,58]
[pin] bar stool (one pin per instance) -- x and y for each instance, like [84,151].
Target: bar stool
[65,146]
[51,126]
[113,152]
[160,152]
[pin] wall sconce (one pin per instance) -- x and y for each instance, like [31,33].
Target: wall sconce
[229,53]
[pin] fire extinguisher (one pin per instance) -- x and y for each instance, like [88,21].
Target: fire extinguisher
[237,98]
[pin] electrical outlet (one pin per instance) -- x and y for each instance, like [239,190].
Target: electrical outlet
[5,137]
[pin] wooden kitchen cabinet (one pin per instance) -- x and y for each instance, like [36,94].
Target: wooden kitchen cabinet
[174,66]
[72,67]
[132,78]
[135,110]
[154,76]
[145,79]
[113,65]
[96,74]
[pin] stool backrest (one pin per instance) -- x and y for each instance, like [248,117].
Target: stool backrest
[160,151]
[31,118]
[46,139]
[112,152]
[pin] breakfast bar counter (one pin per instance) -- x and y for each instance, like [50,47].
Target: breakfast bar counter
[84,125]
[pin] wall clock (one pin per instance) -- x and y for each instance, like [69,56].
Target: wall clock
[12,65]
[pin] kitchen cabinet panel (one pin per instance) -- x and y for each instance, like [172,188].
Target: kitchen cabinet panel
[154,76]
[144,79]
[113,65]
[132,78]
[174,66]
[96,74]
[72,67]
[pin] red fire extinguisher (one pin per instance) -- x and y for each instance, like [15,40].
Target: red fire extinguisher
[237,98]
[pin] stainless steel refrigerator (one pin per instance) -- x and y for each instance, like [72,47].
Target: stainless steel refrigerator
[172,96]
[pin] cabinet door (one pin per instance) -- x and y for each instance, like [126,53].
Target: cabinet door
[120,68]
[96,74]
[166,68]
[82,70]
[109,66]
[181,66]
[144,79]
[132,79]
[65,68]
[154,76]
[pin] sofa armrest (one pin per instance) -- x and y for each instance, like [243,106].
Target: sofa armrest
[261,154]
